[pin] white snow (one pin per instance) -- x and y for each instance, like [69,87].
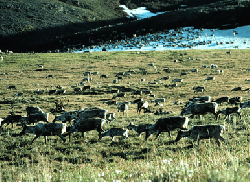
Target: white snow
[139,13]
[185,38]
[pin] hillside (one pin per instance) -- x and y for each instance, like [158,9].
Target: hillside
[31,23]
[61,24]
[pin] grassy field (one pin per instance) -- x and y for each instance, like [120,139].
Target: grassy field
[133,159]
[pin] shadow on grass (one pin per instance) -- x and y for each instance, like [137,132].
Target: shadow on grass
[174,149]
[176,143]
[127,155]
[52,38]
[74,160]
[170,142]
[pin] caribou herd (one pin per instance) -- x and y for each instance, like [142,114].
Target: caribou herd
[94,118]
[88,119]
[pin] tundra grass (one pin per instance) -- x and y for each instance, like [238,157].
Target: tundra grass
[133,159]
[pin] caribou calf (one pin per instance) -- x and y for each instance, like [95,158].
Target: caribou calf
[33,110]
[44,129]
[123,108]
[199,132]
[222,99]
[139,128]
[235,100]
[228,111]
[142,105]
[10,119]
[245,104]
[34,118]
[67,116]
[199,89]
[114,132]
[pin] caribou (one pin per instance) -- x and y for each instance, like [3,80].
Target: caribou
[167,124]
[44,129]
[201,109]
[228,111]
[199,132]
[139,128]
[86,124]
[142,105]
[114,132]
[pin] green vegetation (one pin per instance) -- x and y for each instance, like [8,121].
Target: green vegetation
[133,159]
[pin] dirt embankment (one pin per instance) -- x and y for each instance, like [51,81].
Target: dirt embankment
[44,25]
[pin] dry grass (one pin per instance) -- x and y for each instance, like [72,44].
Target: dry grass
[129,159]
